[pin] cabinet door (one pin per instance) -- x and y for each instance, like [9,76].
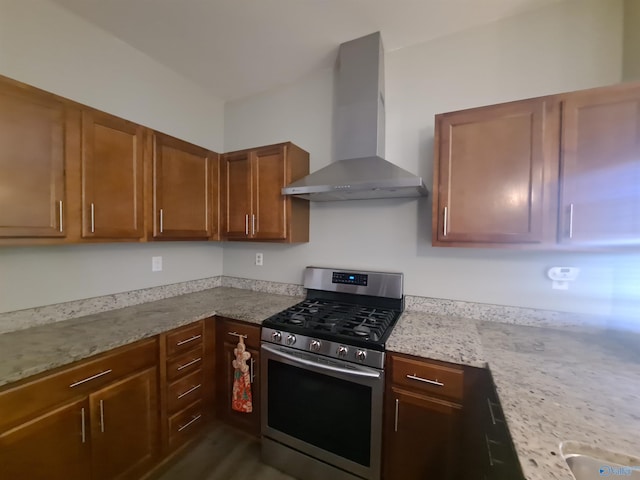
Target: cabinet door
[422,437]
[249,422]
[270,205]
[600,199]
[489,174]
[50,447]
[112,177]
[32,188]
[237,174]
[124,426]
[181,183]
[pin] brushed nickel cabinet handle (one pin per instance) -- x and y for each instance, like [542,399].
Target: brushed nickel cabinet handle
[486,440]
[236,334]
[444,222]
[88,379]
[84,434]
[395,425]
[188,364]
[571,220]
[61,217]
[246,224]
[251,375]
[253,224]
[93,218]
[193,419]
[425,380]
[161,221]
[191,390]
[182,342]
[102,416]
[493,418]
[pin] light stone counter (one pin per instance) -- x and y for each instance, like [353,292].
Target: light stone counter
[26,352]
[553,384]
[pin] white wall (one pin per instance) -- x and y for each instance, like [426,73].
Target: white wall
[565,47]
[43,45]
[631,40]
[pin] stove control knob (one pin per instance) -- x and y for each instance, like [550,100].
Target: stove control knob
[291,339]
[276,336]
[361,355]
[315,345]
[342,351]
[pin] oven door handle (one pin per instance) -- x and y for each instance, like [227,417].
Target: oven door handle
[302,361]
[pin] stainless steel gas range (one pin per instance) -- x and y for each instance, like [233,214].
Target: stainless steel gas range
[323,375]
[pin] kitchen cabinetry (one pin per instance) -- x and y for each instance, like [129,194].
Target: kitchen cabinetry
[112,177]
[227,339]
[488,452]
[183,388]
[254,207]
[600,170]
[32,163]
[423,401]
[185,193]
[553,172]
[491,174]
[97,419]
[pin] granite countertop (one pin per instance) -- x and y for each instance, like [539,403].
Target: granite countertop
[26,352]
[554,385]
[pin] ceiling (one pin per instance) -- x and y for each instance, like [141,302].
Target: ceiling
[235,48]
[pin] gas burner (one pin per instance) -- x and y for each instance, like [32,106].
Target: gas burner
[296,319]
[361,331]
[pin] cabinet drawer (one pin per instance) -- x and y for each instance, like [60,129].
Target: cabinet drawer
[23,401]
[426,377]
[252,333]
[184,364]
[184,338]
[185,424]
[185,391]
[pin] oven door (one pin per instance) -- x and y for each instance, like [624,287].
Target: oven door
[324,408]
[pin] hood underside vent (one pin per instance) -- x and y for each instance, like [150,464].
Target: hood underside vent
[361,172]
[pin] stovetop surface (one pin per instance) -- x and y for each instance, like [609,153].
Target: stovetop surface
[353,324]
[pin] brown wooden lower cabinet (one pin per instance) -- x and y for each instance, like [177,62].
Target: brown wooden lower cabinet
[422,435]
[50,446]
[227,341]
[108,431]
[422,419]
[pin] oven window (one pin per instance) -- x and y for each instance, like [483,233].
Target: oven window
[327,412]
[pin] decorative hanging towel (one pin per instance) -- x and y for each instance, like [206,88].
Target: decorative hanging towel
[241,397]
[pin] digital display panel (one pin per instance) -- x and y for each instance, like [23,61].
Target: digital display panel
[350,278]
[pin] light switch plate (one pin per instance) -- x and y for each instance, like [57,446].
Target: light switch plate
[156,264]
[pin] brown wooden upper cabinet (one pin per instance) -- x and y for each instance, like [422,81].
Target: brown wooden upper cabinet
[254,207]
[489,174]
[600,169]
[553,172]
[185,190]
[112,177]
[32,163]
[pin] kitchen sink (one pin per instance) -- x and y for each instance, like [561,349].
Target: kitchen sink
[591,463]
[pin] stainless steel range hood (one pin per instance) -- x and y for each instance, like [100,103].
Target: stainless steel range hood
[361,172]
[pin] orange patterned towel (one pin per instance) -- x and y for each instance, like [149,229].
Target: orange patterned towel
[241,396]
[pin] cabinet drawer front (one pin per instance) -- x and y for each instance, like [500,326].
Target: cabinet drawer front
[427,377]
[185,391]
[251,332]
[185,424]
[184,339]
[184,364]
[27,399]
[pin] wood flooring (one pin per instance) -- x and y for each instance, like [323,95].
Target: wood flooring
[224,453]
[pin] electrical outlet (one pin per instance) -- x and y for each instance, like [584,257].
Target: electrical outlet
[156,264]
[259,259]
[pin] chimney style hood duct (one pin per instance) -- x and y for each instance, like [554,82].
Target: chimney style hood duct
[359,130]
